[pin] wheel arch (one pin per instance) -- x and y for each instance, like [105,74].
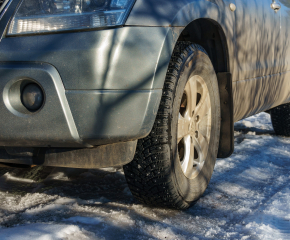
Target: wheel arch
[210,35]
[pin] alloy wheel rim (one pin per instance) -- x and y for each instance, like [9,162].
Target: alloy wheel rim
[194,125]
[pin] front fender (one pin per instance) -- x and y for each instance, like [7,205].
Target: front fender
[172,13]
[176,15]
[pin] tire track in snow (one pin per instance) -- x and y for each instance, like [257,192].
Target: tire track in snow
[248,198]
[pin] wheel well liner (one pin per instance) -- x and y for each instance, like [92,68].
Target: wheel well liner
[209,34]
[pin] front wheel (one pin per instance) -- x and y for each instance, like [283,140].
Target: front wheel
[173,165]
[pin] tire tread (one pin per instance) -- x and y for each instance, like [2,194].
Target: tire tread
[280,117]
[148,175]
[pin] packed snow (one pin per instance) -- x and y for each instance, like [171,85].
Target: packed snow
[247,198]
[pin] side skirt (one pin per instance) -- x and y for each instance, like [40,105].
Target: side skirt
[110,155]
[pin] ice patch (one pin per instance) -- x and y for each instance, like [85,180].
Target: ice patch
[247,198]
[45,232]
[8,176]
[261,121]
[85,220]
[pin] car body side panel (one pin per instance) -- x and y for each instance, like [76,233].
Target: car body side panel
[257,34]
[168,13]
[256,82]
[180,13]
[260,94]
[266,56]
[283,49]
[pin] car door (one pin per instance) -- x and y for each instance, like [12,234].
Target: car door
[283,49]
[255,38]
[256,68]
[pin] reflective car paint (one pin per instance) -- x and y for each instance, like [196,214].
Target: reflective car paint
[262,62]
[257,42]
[137,55]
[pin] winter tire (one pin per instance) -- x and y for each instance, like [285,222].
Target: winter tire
[280,117]
[173,165]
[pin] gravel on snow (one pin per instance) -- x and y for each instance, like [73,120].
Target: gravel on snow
[247,198]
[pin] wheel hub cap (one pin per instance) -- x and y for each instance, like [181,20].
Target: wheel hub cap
[194,125]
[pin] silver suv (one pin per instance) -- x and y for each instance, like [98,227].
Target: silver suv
[153,85]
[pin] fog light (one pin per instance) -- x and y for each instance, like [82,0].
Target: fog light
[32,97]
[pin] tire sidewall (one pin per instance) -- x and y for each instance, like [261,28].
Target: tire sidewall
[197,63]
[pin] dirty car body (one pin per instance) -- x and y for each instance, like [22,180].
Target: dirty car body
[102,85]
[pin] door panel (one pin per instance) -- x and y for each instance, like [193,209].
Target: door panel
[262,58]
[282,53]
[260,94]
[256,34]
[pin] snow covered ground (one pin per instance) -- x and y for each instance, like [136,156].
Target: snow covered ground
[248,198]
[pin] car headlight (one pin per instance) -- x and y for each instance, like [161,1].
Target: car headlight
[36,16]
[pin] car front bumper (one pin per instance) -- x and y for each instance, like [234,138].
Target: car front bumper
[72,118]
[101,87]
[102,90]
